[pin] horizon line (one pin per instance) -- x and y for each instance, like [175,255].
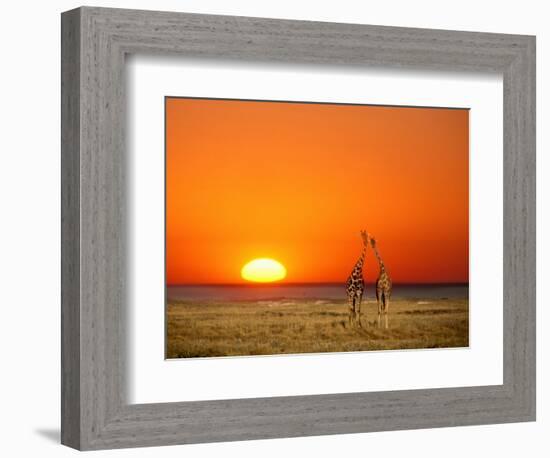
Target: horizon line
[256,284]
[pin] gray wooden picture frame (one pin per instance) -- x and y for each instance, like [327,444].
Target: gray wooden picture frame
[95,412]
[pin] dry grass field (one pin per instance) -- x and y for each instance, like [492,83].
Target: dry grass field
[284,327]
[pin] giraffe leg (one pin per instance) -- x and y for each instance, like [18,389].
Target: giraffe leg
[387,295]
[386,303]
[379,303]
[351,310]
[358,309]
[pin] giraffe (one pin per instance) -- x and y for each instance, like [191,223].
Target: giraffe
[356,284]
[383,286]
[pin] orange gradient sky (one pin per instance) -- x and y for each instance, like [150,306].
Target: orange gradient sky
[296,182]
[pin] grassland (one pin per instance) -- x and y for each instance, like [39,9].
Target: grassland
[283,327]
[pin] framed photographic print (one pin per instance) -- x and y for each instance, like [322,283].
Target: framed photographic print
[335,220]
[264,248]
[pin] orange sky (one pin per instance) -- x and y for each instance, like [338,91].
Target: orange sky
[296,182]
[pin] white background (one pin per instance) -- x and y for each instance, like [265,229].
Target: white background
[155,380]
[29,259]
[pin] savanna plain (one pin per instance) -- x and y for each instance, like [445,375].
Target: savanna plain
[210,328]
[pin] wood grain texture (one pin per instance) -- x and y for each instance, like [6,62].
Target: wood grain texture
[70,229]
[96,414]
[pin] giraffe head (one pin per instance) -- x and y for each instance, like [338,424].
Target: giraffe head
[366,238]
[372,241]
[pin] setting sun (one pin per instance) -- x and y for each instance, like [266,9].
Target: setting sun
[263,270]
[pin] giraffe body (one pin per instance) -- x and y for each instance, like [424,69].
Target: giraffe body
[383,291]
[383,284]
[355,286]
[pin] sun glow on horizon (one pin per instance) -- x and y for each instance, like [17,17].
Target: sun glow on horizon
[263,270]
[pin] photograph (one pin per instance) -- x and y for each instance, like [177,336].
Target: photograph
[300,227]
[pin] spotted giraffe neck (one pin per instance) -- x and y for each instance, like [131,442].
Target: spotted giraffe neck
[380,262]
[359,263]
